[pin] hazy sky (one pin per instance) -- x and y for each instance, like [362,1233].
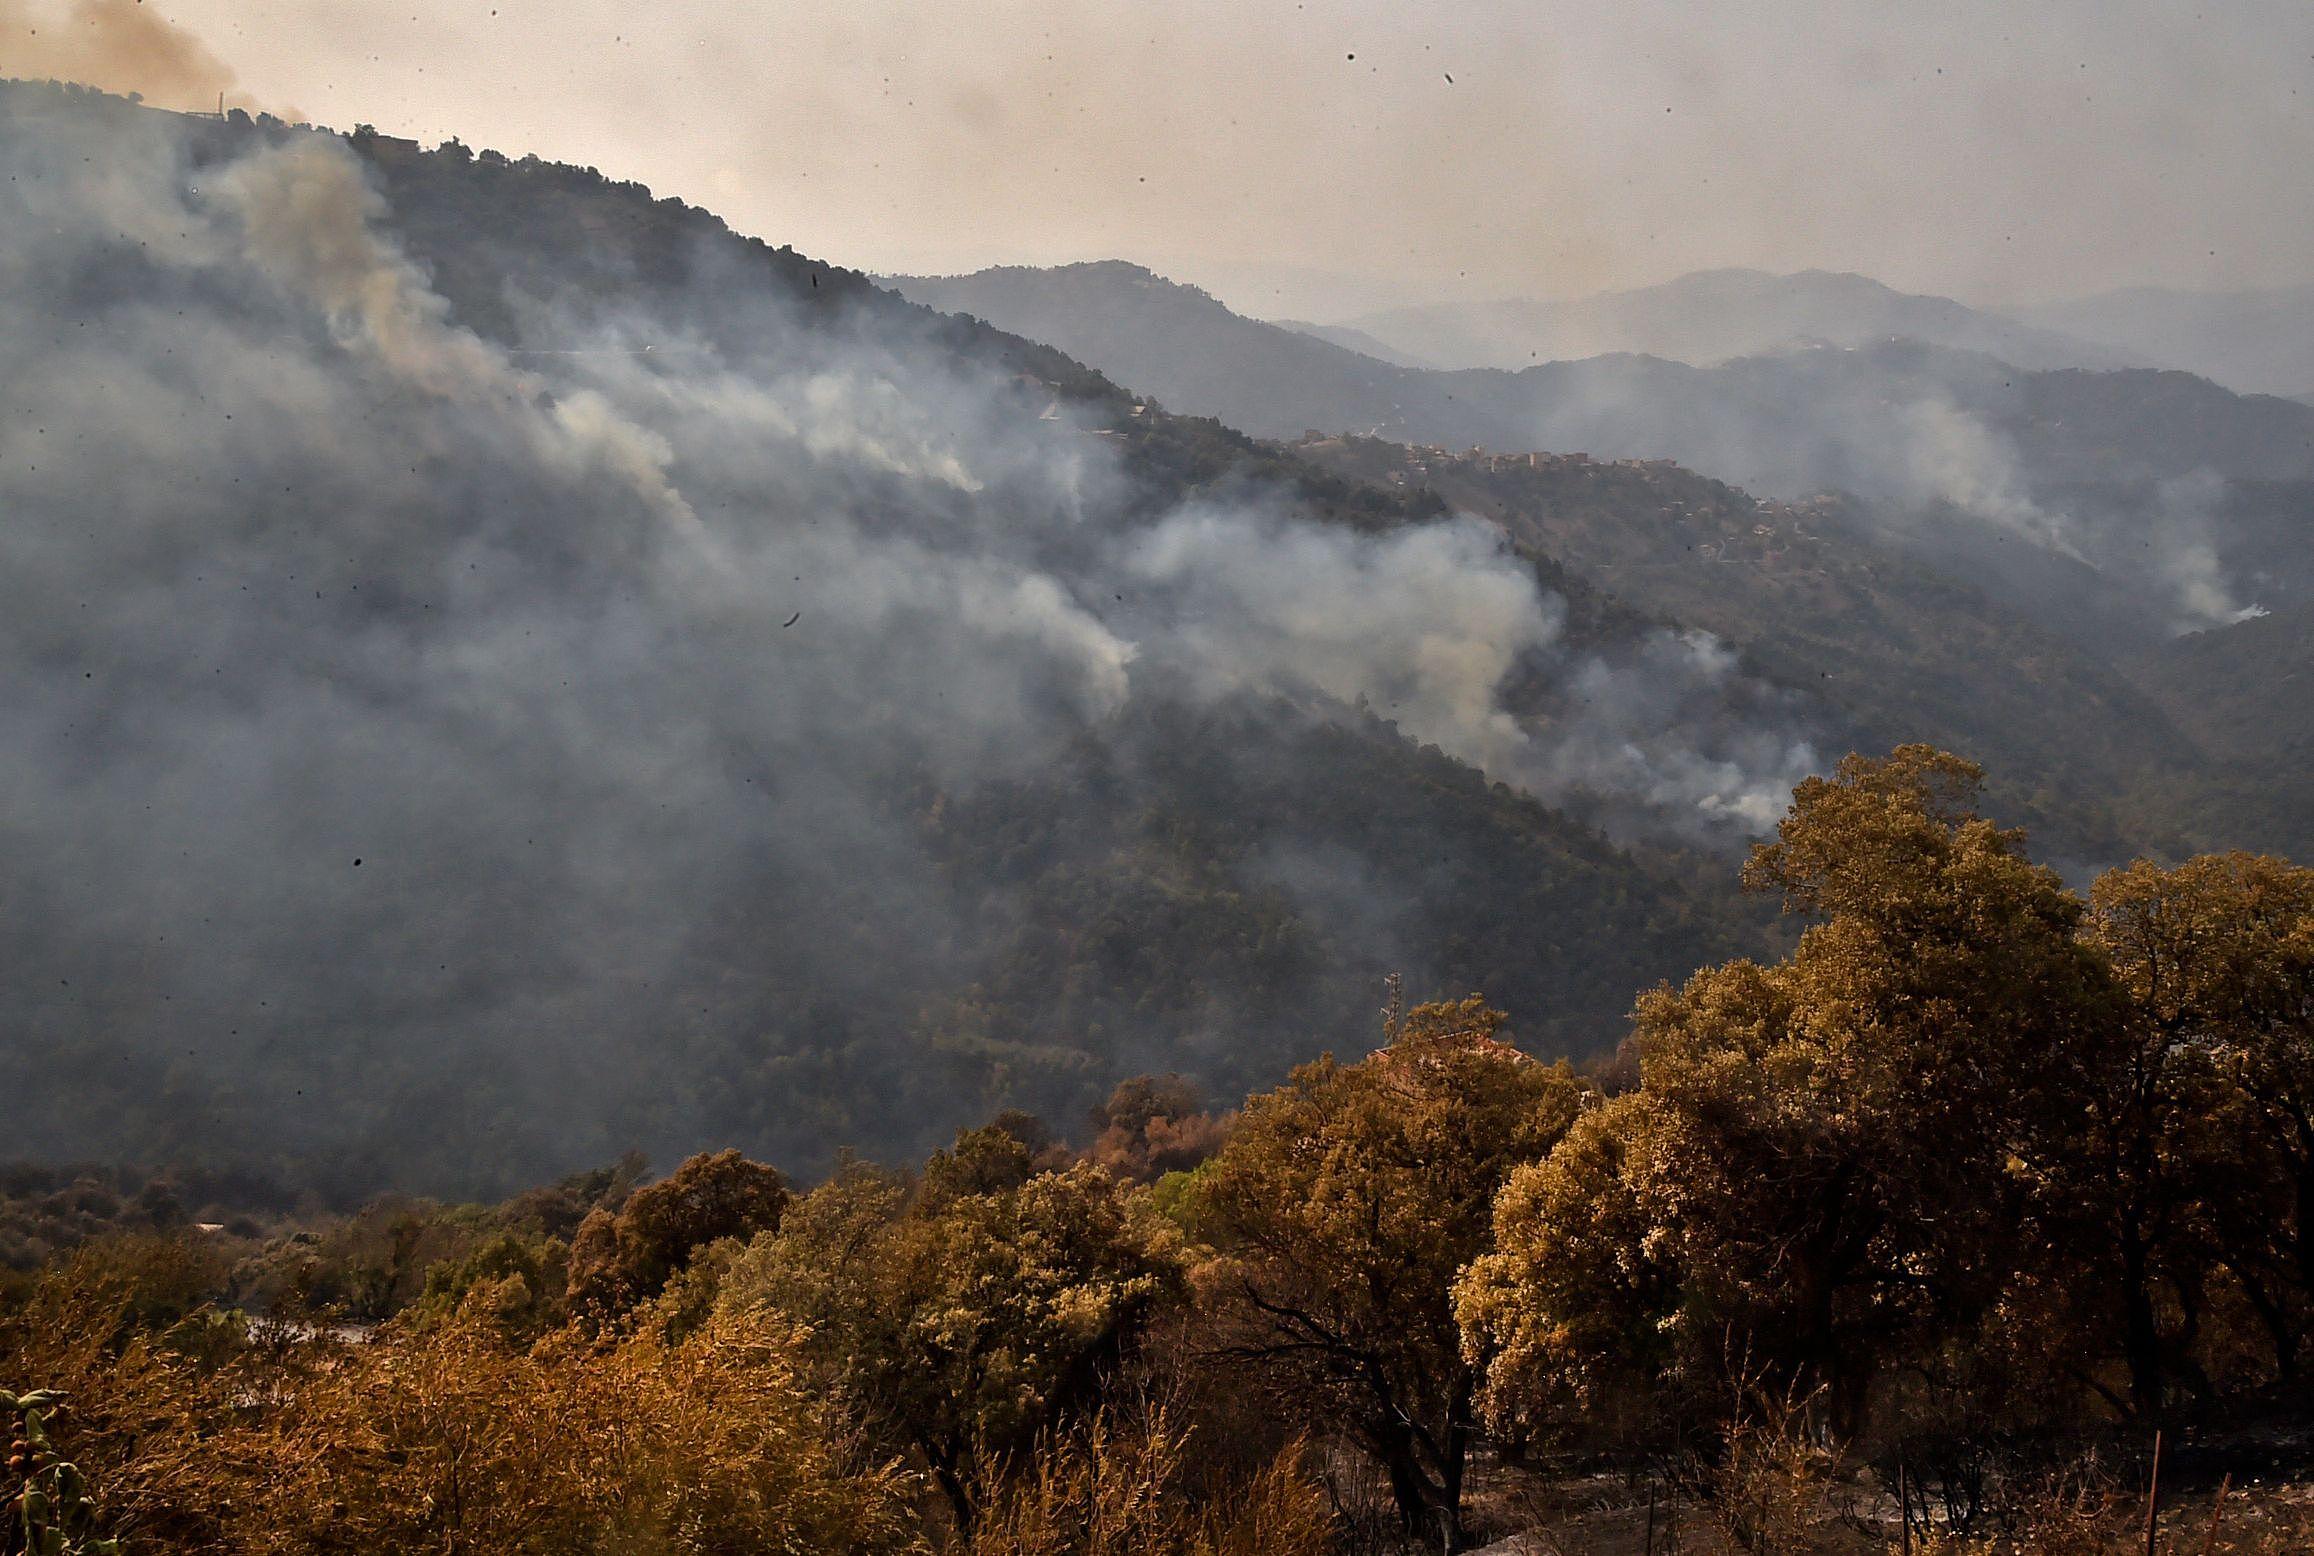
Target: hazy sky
[1480,147]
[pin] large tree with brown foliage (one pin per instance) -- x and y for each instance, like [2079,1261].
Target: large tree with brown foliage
[1341,1210]
[966,1313]
[1972,1131]
[2198,1172]
[620,1259]
[1832,1156]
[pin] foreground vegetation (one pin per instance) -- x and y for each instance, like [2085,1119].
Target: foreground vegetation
[1913,1239]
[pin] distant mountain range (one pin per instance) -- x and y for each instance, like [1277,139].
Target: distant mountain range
[1350,338]
[1911,421]
[1713,315]
[2254,342]
[2127,515]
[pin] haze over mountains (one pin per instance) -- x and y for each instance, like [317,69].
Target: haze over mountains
[2100,501]
[2249,342]
[514,671]
[2254,342]
[2098,516]
[1712,315]
[521,670]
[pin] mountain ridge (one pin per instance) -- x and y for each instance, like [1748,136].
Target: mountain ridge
[2254,342]
[1710,316]
[2095,507]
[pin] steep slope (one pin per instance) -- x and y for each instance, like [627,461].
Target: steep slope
[505,670]
[1713,315]
[2247,690]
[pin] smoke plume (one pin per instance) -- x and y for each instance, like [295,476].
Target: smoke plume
[382,693]
[123,46]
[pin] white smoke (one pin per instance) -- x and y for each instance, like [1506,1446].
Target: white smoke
[1952,457]
[2166,549]
[1665,725]
[1427,625]
[1422,625]
[2188,558]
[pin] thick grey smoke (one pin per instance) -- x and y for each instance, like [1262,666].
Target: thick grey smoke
[377,692]
[1427,625]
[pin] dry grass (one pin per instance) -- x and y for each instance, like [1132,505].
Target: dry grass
[1123,1488]
[447,1439]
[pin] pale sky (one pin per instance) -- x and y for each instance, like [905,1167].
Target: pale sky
[1996,152]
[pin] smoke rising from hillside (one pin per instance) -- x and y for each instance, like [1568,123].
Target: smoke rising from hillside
[1941,444]
[1952,457]
[2188,557]
[2166,547]
[1425,627]
[381,696]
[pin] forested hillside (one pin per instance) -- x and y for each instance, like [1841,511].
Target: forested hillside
[2106,749]
[515,671]
[1927,541]
[829,877]
[794,716]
